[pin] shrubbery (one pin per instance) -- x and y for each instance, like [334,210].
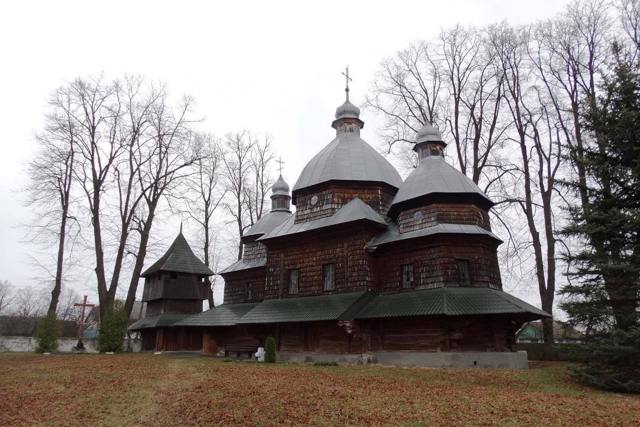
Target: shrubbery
[113,328]
[47,334]
[614,362]
[270,350]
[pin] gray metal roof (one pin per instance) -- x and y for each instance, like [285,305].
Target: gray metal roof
[447,301]
[268,222]
[179,258]
[435,176]
[222,315]
[355,210]
[348,158]
[392,233]
[243,264]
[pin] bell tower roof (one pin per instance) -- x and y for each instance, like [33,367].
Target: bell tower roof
[179,258]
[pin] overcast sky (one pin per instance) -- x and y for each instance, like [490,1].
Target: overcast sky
[266,66]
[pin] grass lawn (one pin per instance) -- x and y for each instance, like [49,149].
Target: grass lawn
[144,389]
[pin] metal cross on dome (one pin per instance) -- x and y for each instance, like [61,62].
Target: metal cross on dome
[345,73]
[280,163]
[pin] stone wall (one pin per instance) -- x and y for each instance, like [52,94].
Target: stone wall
[65,345]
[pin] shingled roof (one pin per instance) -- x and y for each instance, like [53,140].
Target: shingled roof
[179,258]
[355,210]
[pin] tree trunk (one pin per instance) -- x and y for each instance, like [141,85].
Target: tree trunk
[142,253]
[57,287]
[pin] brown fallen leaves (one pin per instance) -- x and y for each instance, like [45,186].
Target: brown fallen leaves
[158,390]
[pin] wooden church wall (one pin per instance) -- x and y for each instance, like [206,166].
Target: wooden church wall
[442,213]
[344,247]
[238,284]
[332,198]
[436,264]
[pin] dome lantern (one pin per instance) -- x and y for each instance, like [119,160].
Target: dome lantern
[280,197]
[429,142]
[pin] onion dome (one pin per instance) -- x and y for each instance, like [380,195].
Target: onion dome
[347,110]
[280,197]
[429,142]
[280,187]
[428,133]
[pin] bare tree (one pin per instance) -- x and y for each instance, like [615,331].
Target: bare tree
[99,145]
[237,167]
[629,14]
[261,157]
[407,92]
[165,161]
[538,139]
[6,295]
[51,176]
[29,302]
[66,308]
[204,194]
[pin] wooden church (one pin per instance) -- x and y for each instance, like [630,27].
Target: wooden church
[368,264]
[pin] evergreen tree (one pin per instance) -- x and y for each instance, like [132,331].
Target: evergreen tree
[113,328]
[270,350]
[604,297]
[47,334]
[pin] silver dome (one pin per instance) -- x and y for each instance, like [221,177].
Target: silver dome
[280,187]
[428,133]
[347,110]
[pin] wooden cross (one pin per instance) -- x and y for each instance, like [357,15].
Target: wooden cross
[280,163]
[81,320]
[345,73]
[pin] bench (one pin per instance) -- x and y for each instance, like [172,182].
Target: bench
[238,349]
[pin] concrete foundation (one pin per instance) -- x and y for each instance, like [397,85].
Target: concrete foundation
[507,360]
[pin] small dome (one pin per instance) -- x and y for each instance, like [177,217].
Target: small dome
[347,110]
[280,187]
[428,133]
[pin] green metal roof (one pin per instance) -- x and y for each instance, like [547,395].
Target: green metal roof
[222,315]
[307,309]
[447,301]
[159,321]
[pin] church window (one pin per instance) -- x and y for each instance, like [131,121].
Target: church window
[463,271]
[407,276]
[329,276]
[294,277]
[249,291]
